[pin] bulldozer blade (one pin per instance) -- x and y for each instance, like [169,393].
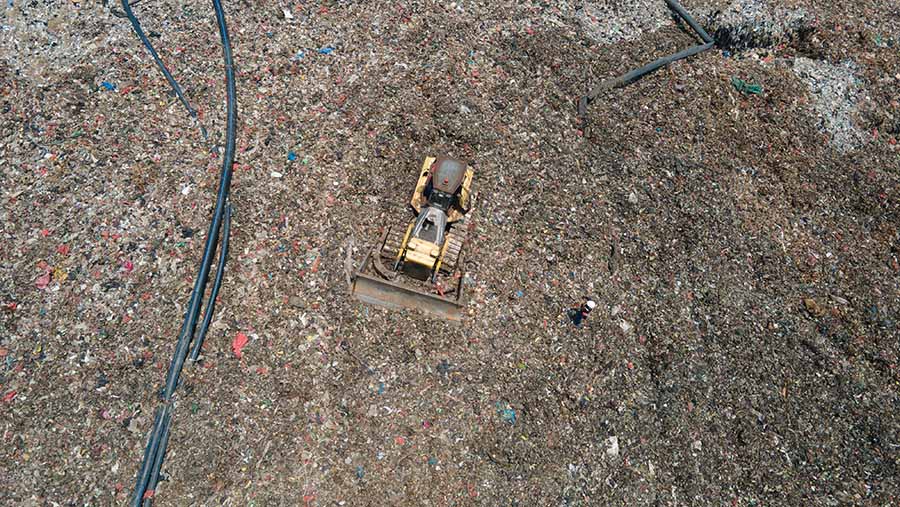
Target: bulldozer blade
[376,291]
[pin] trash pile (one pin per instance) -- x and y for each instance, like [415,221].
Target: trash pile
[743,344]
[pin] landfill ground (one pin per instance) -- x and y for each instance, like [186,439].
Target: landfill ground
[743,248]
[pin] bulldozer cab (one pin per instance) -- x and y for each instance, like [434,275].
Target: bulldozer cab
[444,182]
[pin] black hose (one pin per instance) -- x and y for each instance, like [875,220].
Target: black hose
[212,237]
[159,63]
[155,451]
[674,5]
[144,473]
[211,302]
[160,455]
[636,74]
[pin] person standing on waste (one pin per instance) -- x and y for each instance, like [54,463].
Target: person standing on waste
[579,315]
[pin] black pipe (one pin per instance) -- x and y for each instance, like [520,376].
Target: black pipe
[212,237]
[211,302]
[159,63]
[674,5]
[160,456]
[154,453]
[143,476]
[636,74]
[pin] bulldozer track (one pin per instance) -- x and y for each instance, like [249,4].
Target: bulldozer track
[392,242]
[456,240]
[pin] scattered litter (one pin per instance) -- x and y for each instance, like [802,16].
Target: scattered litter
[813,307]
[507,414]
[710,262]
[836,93]
[745,87]
[237,345]
[44,280]
[612,446]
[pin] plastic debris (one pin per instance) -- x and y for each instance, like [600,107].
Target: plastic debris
[612,446]
[507,413]
[745,87]
[710,265]
[237,345]
[44,280]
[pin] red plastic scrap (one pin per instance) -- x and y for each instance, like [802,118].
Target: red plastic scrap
[238,344]
[43,281]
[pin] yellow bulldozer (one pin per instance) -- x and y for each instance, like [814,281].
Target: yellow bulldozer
[418,265]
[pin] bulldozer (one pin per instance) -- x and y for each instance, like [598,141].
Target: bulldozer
[418,265]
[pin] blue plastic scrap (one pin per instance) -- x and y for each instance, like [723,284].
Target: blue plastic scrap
[109,86]
[508,415]
[326,51]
